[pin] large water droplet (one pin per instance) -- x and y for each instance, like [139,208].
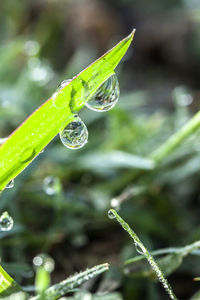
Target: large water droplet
[74,135]
[45,261]
[10,184]
[51,185]
[106,96]
[111,215]
[6,222]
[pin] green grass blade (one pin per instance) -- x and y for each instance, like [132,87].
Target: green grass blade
[26,142]
[141,248]
[7,285]
[71,283]
[176,139]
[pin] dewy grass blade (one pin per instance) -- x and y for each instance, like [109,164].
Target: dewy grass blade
[26,142]
[68,285]
[142,250]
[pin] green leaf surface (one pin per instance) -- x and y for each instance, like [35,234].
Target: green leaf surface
[26,142]
[7,285]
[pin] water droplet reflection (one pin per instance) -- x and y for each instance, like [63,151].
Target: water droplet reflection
[106,96]
[6,222]
[74,135]
[51,185]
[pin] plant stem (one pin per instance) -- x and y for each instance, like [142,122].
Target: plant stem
[176,139]
[142,250]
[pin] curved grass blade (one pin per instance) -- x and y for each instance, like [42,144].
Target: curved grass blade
[139,246]
[26,142]
[70,284]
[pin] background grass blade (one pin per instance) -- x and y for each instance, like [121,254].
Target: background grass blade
[68,285]
[141,248]
[50,118]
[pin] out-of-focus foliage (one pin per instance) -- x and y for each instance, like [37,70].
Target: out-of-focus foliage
[43,43]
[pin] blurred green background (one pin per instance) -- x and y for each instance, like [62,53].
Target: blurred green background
[45,42]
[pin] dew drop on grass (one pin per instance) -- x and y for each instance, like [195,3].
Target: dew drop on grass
[45,261]
[60,87]
[10,184]
[111,215]
[139,249]
[74,135]
[51,185]
[6,222]
[106,96]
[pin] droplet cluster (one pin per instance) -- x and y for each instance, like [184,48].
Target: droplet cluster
[45,261]
[75,134]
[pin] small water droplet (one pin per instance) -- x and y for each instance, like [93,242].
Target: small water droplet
[111,215]
[139,249]
[10,184]
[51,185]
[45,261]
[115,203]
[58,90]
[2,140]
[6,222]
[74,135]
[182,96]
[106,96]
[31,48]
[63,84]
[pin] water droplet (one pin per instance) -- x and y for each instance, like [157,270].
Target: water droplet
[10,184]
[45,261]
[63,84]
[58,90]
[31,48]
[106,96]
[51,185]
[6,222]
[74,135]
[111,214]
[182,96]
[2,140]
[139,248]
[115,203]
